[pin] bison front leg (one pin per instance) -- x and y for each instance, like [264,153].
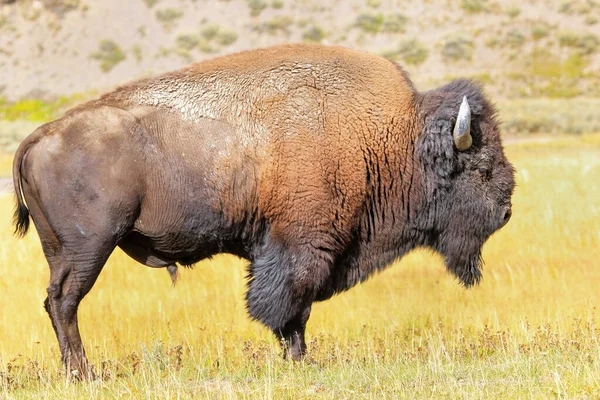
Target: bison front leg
[282,287]
[291,336]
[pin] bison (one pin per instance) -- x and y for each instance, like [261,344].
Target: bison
[320,165]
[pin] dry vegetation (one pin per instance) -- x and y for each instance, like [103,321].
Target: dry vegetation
[531,330]
[51,48]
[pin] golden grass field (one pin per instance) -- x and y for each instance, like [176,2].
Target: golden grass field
[530,330]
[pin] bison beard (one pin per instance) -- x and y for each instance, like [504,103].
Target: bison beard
[319,165]
[462,258]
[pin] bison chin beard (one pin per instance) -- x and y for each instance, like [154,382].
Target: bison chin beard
[462,259]
[466,267]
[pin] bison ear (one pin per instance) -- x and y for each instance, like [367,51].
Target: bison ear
[435,146]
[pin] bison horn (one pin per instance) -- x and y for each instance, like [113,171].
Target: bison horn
[462,129]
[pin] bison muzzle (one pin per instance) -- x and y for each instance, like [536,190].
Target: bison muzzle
[320,165]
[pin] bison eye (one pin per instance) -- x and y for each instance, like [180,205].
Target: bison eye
[484,173]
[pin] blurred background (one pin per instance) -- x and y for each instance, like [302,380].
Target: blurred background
[538,59]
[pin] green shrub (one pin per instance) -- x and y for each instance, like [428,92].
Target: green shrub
[209,31]
[256,7]
[109,55]
[277,4]
[314,34]
[515,38]
[168,16]
[579,7]
[276,25]
[368,22]
[540,29]
[375,23]
[492,42]
[188,41]
[61,6]
[566,7]
[395,23]
[457,48]
[226,37]
[474,6]
[150,3]
[513,11]
[411,51]
[585,44]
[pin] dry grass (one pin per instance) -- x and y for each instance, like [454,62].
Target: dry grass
[531,329]
[6,165]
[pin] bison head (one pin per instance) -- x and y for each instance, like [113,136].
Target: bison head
[468,182]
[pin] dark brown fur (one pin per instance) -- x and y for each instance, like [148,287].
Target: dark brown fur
[318,164]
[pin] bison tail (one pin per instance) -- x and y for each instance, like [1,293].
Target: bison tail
[21,216]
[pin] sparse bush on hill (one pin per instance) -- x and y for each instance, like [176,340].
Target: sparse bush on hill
[314,34]
[410,51]
[188,41]
[168,16]
[474,6]
[458,47]
[368,22]
[540,29]
[513,12]
[210,34]
[60,7]
[579,7]
[514,38]
[225,37]
[150,3]
[375,23]
[256,7]
[585,44]
[109,55]
[209,31]
[275,26]
[395,23]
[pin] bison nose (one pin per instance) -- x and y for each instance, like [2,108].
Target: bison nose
[506,214]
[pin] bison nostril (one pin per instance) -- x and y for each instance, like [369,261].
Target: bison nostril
[507,215]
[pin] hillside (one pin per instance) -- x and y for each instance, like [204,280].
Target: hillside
[53,48]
